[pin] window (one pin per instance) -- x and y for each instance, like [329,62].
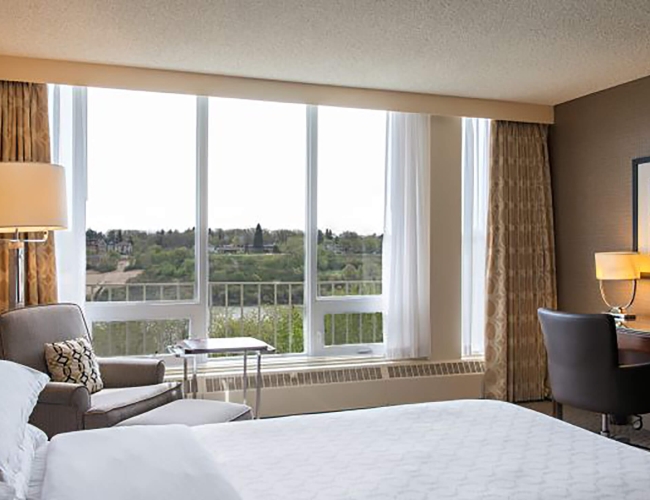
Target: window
[475,182]
[128,338]
[227,217]
[141,203]
[350,200]
[256,219]
[349,212]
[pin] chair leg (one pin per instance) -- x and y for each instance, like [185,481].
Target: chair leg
[604,425]
[558,411]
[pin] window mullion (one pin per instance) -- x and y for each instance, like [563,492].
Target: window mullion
[200,322]
[80,176]
[313,341]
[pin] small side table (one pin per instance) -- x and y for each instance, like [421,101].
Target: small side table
[232,345]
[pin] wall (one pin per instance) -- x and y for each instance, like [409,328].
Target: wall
[105,75]
[593,142]
[446,227]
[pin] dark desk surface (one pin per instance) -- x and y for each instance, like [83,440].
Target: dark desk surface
[635,335]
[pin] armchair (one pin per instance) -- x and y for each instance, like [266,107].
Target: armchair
[131,386]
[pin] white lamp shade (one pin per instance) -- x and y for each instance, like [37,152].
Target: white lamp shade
[32,197]
[617,266]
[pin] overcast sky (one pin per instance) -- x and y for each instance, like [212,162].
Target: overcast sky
[141,164]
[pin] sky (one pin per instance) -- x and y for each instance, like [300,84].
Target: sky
[142,161]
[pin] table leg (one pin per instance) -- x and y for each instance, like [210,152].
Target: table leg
[245,381]
[195,378]
[258,393]
[185,380]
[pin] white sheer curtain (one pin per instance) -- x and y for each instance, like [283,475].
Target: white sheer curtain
[475,179]
[406,244]
[68,152]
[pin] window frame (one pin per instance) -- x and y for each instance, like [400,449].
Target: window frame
[197,310]
[317,306]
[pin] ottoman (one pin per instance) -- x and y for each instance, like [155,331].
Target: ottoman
[191,412]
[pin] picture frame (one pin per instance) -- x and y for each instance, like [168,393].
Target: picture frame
[641,206]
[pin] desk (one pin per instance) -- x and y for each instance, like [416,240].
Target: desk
[194,347]
[635,336]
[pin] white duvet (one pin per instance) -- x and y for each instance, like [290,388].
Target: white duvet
[132,463]
[462,450]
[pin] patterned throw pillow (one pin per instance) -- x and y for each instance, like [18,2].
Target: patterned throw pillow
[74,361]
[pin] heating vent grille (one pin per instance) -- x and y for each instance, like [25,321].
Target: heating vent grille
[344,375]
[436,369]
[216,384]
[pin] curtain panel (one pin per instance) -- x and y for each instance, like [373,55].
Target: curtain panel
[520,262]
[406,242]
[25,136]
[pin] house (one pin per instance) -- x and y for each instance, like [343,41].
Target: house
[121,247]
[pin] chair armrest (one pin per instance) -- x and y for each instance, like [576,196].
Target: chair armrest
[65,394]
[131,372]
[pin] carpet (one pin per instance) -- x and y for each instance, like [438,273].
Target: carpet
[591,421]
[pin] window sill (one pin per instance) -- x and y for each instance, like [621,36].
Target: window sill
[473,357]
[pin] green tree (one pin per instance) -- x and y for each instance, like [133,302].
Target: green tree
[258,239]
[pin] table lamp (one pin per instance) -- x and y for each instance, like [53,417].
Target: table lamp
[32,199]
[618,266]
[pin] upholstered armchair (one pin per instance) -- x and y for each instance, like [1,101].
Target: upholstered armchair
[131,386]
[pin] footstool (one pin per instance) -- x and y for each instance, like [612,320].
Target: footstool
[191,412]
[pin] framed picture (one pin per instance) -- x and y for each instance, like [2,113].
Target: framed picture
[641,205]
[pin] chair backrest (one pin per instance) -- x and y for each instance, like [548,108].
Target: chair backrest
[582,358]
[24,332]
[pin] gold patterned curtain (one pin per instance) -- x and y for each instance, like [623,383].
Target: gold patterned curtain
[520,263]
[25,136]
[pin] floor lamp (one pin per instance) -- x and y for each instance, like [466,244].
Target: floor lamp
[32,200]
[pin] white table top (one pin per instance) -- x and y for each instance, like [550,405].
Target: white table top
[223,345]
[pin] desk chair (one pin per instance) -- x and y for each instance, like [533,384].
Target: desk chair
[587,370]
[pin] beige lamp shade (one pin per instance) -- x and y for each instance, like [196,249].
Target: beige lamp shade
[617,266]
[32,197]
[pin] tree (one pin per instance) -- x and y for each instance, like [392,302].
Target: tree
[92,235]
[258,239]
[320,237]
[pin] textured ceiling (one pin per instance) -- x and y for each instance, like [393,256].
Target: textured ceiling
[537,51]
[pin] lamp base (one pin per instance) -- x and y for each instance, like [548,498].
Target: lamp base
[17,275]
[618,316]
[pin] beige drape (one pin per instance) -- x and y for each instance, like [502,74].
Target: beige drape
[25,136]
[520,263]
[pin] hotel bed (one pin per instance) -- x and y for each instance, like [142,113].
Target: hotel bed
[461,450]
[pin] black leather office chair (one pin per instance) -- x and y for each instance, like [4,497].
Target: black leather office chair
[585,366]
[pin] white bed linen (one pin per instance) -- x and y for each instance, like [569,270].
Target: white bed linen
[132,463]
[37,473]
[454,450]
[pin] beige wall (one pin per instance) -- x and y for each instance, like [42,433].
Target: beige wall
[446,150]
[593,142]
[102,75]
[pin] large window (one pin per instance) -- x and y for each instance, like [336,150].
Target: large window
[226,217]
[350,220]
[141,201]
[256,218]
